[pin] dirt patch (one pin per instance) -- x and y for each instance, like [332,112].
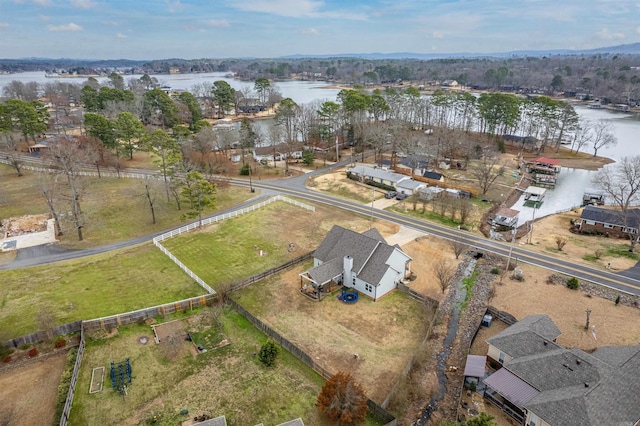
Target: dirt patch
[615,325]
[28,393]
[15,226]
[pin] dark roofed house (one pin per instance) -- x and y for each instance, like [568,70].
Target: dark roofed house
[364,262]
[434,176]
[598,220]
[543,384]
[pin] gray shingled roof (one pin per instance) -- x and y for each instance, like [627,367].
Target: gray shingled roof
[296,422]
[377,173]
[612,217]
[527,336]
[576,388]
[560,368]
[327,271]
[369,251]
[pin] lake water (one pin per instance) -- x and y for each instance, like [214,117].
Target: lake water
[571,182]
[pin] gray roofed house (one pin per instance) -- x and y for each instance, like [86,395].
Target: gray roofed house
[386,177]
[551,385]
[599,220]
[361,261]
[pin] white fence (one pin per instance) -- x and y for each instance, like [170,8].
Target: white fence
[215,219]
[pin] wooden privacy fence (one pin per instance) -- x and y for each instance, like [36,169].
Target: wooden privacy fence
[375,410]
[262,275]
[113,321]
[505,317]
[39,336]
[64,418]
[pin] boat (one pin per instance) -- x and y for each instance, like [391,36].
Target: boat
[595,106]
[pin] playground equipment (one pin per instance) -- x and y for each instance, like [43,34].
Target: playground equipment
[349,295]
[121,375]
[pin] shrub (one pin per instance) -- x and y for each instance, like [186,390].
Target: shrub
[598,253]
[245,170]
[6,358]
[495,271]
[617,302]
[33,352]
[25,347]
[268,353]
[60,342]
[573,283]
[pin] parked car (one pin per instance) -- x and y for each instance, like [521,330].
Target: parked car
[390,194]
[401,196]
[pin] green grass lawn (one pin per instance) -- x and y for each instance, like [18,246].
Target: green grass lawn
[230,250]
[96,286]
[115,209]
[229,381]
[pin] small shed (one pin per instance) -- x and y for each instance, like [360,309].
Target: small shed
[475,366]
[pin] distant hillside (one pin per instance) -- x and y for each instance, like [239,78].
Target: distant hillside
[623,49]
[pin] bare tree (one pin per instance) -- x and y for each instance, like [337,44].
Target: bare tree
[151,199]
[487,170]
[9,144]
[582,135]
[621,183]
[602,136]
[458,247]
[70,156]
[49,188]
[444,272]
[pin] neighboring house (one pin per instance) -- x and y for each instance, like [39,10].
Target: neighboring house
[385,177]
[598,220]
[364,262]
[543,384]
[505,217]
[281,151]
[433,176]
[410,186]
[268,153]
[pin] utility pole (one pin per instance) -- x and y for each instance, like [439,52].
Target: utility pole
[586,327]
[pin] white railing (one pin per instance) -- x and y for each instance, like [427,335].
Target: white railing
[214,219]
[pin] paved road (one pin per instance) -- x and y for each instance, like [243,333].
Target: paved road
[627,281]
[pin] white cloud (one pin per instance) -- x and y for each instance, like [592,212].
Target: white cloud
[67,27]
[111,23]
[120,35]
[173,6]
[638,30]
[4,25]
[437,34]
[605,34]
[44,18]
[293,8]
[310,31]
[217,23]
[83,4]
[42,2]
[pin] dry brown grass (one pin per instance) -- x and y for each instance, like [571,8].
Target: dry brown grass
[28,392]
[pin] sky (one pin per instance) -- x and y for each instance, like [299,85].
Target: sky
[191,29]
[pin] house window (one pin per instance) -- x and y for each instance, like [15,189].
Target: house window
[589,222]
[368,288]
[353,281]
[606,225]
[533,420]
[501,358]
